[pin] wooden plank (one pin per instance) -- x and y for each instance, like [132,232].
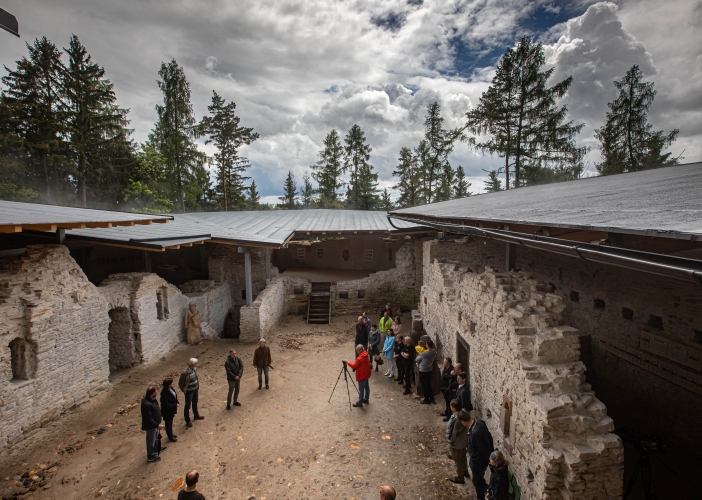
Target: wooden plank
[99,224]
[127,223]
[39,227]
[80,225]
[12,228]
[145,222]
[159,221]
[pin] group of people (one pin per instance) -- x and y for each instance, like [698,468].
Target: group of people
[155,417]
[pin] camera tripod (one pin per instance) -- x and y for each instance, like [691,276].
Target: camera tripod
[345,372]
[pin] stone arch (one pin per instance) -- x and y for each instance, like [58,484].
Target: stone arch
[125,344]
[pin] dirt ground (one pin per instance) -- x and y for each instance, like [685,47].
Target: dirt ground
[283,443]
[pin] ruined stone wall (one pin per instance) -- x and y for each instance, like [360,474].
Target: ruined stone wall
[157,314]
[56,318]
[526,378]
[396,286]
[226,265]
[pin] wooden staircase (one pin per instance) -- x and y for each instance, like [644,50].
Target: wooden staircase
[319,305]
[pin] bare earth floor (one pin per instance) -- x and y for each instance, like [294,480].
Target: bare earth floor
[286,442]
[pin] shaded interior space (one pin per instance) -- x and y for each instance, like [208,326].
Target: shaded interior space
[327,275]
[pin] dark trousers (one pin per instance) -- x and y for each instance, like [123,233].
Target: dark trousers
[447,397]
[168,422]
[477,473]
[400,368]
[190,399]
[425,380]
[409,370]
[461,460]
[233,389]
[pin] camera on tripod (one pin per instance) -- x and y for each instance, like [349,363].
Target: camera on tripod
[643,443]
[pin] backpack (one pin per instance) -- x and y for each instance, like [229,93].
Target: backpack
[514,492]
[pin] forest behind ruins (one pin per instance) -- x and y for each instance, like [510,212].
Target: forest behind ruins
[65,140]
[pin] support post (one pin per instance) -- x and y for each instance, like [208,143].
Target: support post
[60,236]
[510,256]
[268,264]
[247,275]
[147,261]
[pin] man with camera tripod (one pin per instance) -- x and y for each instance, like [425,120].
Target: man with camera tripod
[363,373]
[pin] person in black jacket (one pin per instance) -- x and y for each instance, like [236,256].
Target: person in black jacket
[445,387]
[361,334]
[151,423]
[499,478]
[235,370]
[399,360]
[463,392]
[169,407]
[408,354]
[480,446]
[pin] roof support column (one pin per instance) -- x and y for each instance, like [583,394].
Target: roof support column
[510,256]
[247,275]
[268,264]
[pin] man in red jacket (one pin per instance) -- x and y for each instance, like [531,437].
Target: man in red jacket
[363,373]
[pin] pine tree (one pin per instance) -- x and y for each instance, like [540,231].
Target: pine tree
[223,131]
[363,181]
[174,133]
[328,170]
[253,198]
[493,184]
[289,199]
[627,142]
[462,185]
[145,191]
[93,119]
[36,115]
[520,114]
[385,202]
[409,182]
[307,192]
[435,171]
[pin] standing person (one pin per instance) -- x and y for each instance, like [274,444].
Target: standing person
[480,446]
[408,353]
[151,422]
[190,385]
[386,310]
[374,345]
[169,407]
[363,372]
[235,370]
[425,362]
[385,325]
[189,492]
[367,320]
[445,387]
[399,360]
[361,333]
[396,326]
[387,493]
[463,392]
[388,353]
[499,477]
[456,436]
[262,360]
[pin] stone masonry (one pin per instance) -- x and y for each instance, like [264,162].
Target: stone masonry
[526,378]
[59,319]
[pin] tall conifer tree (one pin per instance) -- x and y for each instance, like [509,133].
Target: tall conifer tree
[328,170]
[363,180]
[462,185]
[289,199]
[408,179]
[253,199]
[307,192]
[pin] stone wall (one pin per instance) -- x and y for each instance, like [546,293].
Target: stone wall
[526,377]
[57,324]
[156,314]
[226,265]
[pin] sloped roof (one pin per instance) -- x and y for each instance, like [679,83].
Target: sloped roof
[664,202]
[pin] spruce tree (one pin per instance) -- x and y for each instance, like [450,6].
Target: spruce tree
[328,170]
[362,184]
[493,184]
[95,124]
[289,199]
[627,142]
[223,131]
[252,197]
[307,192]
[408,183]
[462,185]
[35,115]
[385,203]
[174,133]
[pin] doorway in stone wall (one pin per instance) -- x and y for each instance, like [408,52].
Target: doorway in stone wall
[124,342]
[463,355]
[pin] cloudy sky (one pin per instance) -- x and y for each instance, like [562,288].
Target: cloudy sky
[298,68]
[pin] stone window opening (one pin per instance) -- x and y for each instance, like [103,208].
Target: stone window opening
[574,297]
[361,294]
[599,304]
[369,254]
[530,477]
[655,322]
[162,311]
[124,345]
[627,314]
[343,295]
[298,290]
[23,359]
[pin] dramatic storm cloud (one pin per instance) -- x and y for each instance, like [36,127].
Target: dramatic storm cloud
[297,69]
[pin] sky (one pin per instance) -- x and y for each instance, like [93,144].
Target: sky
[298,68]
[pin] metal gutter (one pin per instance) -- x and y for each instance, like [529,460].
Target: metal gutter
[658,264]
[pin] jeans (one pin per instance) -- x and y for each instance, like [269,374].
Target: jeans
[363,391]
[190,399]
[459,456]
[477,472]
[260,371]
[233,388]
[168,422]
[427,392]
[151,436]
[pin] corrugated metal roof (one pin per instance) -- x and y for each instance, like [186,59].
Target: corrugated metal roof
[264,228]
[664,202]
[16,216]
